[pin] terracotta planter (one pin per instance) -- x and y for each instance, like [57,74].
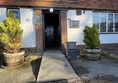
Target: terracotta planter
[13,59]
[92,54]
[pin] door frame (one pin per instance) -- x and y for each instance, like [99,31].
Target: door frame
[43,25]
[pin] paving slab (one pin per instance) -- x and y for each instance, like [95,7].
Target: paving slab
[55,67]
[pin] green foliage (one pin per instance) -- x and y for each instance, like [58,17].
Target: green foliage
[91,37]
[11,33]
[11,15]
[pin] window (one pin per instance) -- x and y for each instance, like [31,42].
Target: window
[116,22]
[16,12]
[110,22]
[96,20]
[102,22]
[106,22]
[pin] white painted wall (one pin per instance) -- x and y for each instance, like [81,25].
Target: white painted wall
[108,38]
[76,34]
[2,14]
[27,24]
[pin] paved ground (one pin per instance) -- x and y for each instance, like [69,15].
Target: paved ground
[103,71]
[55,68]
[25,73]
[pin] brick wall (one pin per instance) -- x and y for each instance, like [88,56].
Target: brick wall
[63,29]
[39,32]
[110,48]
[85,4]
[29,50]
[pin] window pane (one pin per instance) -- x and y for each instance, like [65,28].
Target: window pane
[102,22]
[116,22]
[16,12]
[110,22]
[96,19]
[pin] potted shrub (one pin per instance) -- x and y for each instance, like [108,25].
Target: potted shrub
[92,42]
[11,39]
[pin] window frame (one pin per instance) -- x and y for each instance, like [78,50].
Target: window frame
[100,14]
[107,17]
[15,9]
[72,21]
[114,21]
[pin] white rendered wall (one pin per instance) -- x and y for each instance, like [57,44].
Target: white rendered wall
[2,14]
[76,34]
[108,38]
[27,24]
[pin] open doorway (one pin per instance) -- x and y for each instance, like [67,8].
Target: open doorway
[52,34]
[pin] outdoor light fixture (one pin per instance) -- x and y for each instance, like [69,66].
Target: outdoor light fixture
[51,10]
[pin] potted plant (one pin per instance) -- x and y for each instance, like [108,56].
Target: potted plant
[92,42]
[11,39]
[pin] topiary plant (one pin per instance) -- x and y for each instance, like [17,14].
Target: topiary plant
[91,37]
[11,33]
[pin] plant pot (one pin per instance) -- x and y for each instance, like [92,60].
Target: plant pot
[13,59]
[92,54]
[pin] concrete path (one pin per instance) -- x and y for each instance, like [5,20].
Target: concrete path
[55,67]
[102,71]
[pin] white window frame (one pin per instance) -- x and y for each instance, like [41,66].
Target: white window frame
[100,14]
[114,21]
[14,9]
[107,13]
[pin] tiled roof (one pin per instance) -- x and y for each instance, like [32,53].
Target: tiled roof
[85,4]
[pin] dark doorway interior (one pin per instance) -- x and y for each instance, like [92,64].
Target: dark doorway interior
[52,31]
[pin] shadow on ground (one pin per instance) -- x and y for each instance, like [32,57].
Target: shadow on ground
[53,81]
[23,73]
[2,63]
[35,64]
[103,79]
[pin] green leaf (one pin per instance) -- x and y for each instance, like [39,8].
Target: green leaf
[91,37]
[11,33]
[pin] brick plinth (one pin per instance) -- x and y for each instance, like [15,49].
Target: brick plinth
[29,50]
[64,29]
[110,48]
[39,32]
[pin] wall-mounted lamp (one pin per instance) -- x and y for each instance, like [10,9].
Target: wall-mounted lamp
[51,10]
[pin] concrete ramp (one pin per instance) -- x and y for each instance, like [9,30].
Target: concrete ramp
[55,68]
